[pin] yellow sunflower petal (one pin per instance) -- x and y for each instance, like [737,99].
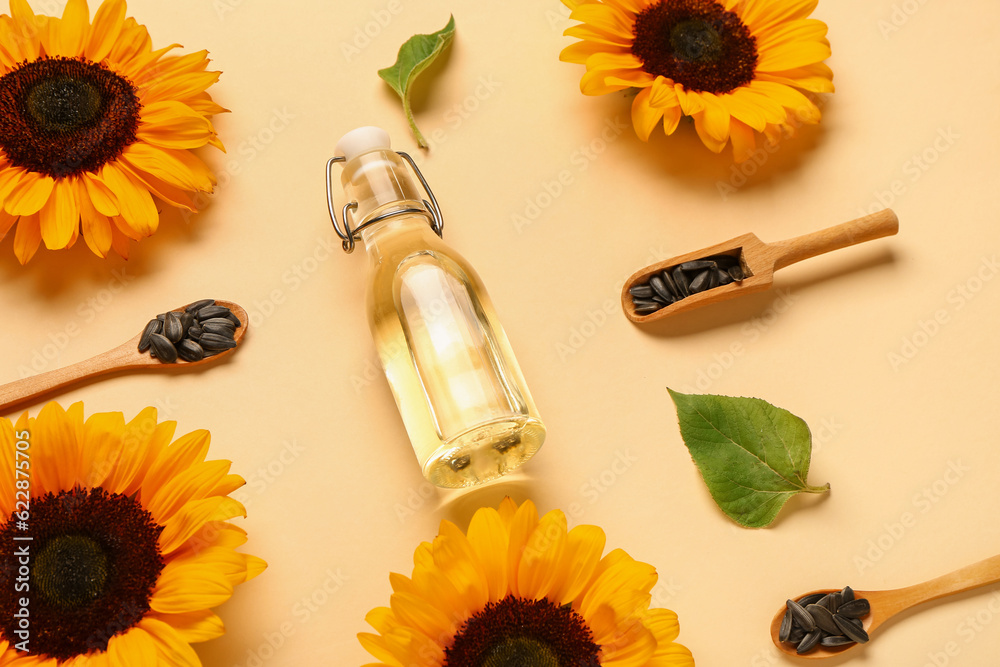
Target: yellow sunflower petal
[522,524]
[580,51]
[188,450]
[30,194]
[193,626]
[172,124]
[760,15]
[8,460]
[672,655]
[186,588]
[96,228]
[60,468]
[599,38]
[790,56]
[6,223]
[584,546]
[179,87]
[171,647]
[60,216]
[714,120]
[744,140]
[180,168]
[456,557]
[191,484]
[816,78]
[165,192]
[804,109]
[377,646]
[135,202]
[100,195]
[107,27]
[119,241]
[538,571]
[141,441]
[28,26]
[644,117]
[100,444]
[594,83]
[630,646]
[671,119]
[618,576]
[605,18]
[489,539]
[413,610]
[67,37]
[193,516]
[134,648]
[793,34]
[27,238]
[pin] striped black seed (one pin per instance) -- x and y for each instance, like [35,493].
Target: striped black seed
[153,326]
[823,618]
[668,280]
[163,348]
[211,341]
[161,316]
[812,598]
[172,327]
[851,627]
[723,276]
[855,608]
[833,641]
[641,291]
[646,310]
[700,282]
[198,305]
[659,287]
[847,594]
[187,319]
[189,350]
[809,642]
[644,303]
[209,312]
[737,273]
[681,281]
[194,332]
[802,617]
[698,265]
[235,320]
[786,627]
[215,326]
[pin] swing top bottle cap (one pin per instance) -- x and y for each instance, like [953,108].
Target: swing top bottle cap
[362,140]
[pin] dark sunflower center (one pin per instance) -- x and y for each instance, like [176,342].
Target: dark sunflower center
[64,116]
[696,43]
[524,633]
[92,563]
[71,570]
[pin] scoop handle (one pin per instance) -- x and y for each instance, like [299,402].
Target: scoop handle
[868,228]
[971,576]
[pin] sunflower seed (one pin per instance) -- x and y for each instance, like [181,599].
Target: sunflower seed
[701,282]
[812,598]
[219,326]
[723,276]
[194,332]
[189,350]
[172,327]
[641,291]
[802,617]
[836,640]
[737,273]
[847,594]
[646,310]
[646,303]
[786,627]
[198,305]
[823,618]
[235,320]
[153,326]
[809,642]
[681,281]
[211,341]
[659,287]
[698,265]
[855,608]
[209,312]
[668,280]
[851,627]
[163,348]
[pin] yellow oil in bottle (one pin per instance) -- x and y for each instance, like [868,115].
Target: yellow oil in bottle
[457,384]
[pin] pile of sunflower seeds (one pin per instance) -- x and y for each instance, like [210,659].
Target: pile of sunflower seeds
[201,330]
[831,620]
[683,280]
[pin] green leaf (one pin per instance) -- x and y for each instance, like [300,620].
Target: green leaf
[415,55]
[752,455]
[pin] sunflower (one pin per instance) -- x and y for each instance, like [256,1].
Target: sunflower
[519,590]
[93,124]
[736,67]
[116,541]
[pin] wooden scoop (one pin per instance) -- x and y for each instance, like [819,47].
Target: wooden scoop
[124,357]
[886,604]
[759,261]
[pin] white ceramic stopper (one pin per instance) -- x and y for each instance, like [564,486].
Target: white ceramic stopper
[362,140]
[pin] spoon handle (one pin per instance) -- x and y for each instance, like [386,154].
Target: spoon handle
[971,576]
[27,388]
[868,228]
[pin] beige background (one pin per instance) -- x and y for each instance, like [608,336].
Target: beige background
[887,350]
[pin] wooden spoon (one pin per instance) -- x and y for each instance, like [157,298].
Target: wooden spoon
[759,261]
[886,604]
[124,357]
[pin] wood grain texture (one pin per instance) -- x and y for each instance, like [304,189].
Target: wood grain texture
[759,261]
[125,357]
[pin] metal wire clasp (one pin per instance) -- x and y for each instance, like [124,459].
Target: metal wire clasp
[349,235]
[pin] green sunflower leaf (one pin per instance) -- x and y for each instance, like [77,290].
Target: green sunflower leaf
[415,55]
[752,455]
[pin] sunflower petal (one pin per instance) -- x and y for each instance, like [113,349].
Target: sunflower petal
[135,202]
[8,456]
[67,37]
[96,228]
[489,539]
[759,15]
[179,168]
[60,216]
[193,483]
[100,195]
[606,18]
[171,646]
[173,124]
[644,117]
[107,27]
[193,626]
[188,450]
[27,238]
[522,524]
[186,588]
[538,572]
[30,194]
[134,648]
[193,516]
[6,223]
[744,140]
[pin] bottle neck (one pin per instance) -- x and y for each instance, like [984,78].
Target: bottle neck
[408,228]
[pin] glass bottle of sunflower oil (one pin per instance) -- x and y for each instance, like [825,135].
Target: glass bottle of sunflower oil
[457,385]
